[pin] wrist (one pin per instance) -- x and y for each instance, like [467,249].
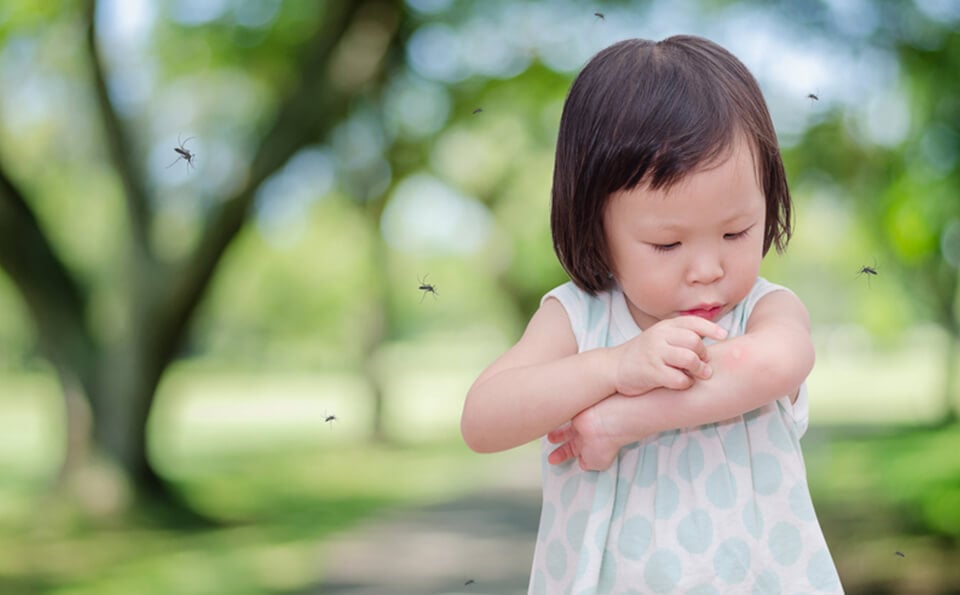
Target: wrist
[605,363]
[618,417]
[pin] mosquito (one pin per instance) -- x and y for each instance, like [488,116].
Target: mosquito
[329,419]
[869,271]
[477,111]
[427,287]
[183,153]
[901,554]
[469,582]
[600,16]
[813,96]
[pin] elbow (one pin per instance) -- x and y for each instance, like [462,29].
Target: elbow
[797,364]
[475,439]
[470,436]
[785,369]
[472,432]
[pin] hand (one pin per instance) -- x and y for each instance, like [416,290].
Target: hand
[585,438]
[670,354]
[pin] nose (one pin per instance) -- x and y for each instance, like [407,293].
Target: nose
[705,267]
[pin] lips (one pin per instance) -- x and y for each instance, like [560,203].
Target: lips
[705,311]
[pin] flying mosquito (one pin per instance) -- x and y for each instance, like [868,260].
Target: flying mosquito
[329,419]
[813,96]
[600,16]
[868,271]
[183,153]
[477,111]
[427,287]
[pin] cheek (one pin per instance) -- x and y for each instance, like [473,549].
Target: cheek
[650,292]
[752,254]
[634,266]
[622,256]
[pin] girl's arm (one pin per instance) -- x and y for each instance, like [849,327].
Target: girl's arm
[535,386]
[542,381]
[771,359]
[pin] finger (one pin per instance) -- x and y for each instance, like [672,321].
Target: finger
[700,349]
[706,371]
[676,380]
[699,366]
[702,327]
[562,454]
[687,360]
[692,341]
[561,434]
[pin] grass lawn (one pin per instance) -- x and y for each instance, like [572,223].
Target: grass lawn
[276,506]
[888,500]
[253,451]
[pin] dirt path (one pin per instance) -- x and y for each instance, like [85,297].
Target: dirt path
[481,543]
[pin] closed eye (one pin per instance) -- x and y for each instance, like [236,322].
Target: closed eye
[665,247]
[738,235]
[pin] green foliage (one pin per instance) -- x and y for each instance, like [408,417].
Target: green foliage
[17,16]
[16,335]
[322,289]
[905,194]
[302,285]
[280,505]
[501,157]
[276,506]
[276,495]
[879,492]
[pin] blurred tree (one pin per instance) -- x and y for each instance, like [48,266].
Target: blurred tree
[479,87]
[343,59]
[906,186]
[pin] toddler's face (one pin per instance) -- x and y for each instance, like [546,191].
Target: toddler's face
[693,249]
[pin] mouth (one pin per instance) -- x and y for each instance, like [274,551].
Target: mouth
[705,311]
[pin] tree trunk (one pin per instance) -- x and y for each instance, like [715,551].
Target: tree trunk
[120,379]
[121,409]
[380,331]
[947,287]
[78,427]
[950,387]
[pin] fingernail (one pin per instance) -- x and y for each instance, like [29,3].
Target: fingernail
[707,371]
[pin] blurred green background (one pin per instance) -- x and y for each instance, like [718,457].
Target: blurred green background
[174,335]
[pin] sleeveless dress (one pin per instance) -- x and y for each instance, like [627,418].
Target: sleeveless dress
[720,508]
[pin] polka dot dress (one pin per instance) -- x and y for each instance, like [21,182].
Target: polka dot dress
[720,508]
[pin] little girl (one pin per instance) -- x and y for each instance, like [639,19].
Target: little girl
[667,368]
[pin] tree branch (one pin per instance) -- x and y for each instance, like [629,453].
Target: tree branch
[308,113]
[117,141]
[55,301]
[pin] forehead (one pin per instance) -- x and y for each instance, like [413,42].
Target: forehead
[726,189]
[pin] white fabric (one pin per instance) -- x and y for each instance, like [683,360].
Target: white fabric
[719,508]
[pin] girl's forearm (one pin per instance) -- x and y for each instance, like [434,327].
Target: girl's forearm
[522,404]
[747,374]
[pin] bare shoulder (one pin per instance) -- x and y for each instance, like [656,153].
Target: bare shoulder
[548,337]
[551,324]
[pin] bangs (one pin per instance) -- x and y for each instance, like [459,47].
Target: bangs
[669,124]
[651,113]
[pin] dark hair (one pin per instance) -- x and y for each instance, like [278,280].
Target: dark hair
[652,112]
